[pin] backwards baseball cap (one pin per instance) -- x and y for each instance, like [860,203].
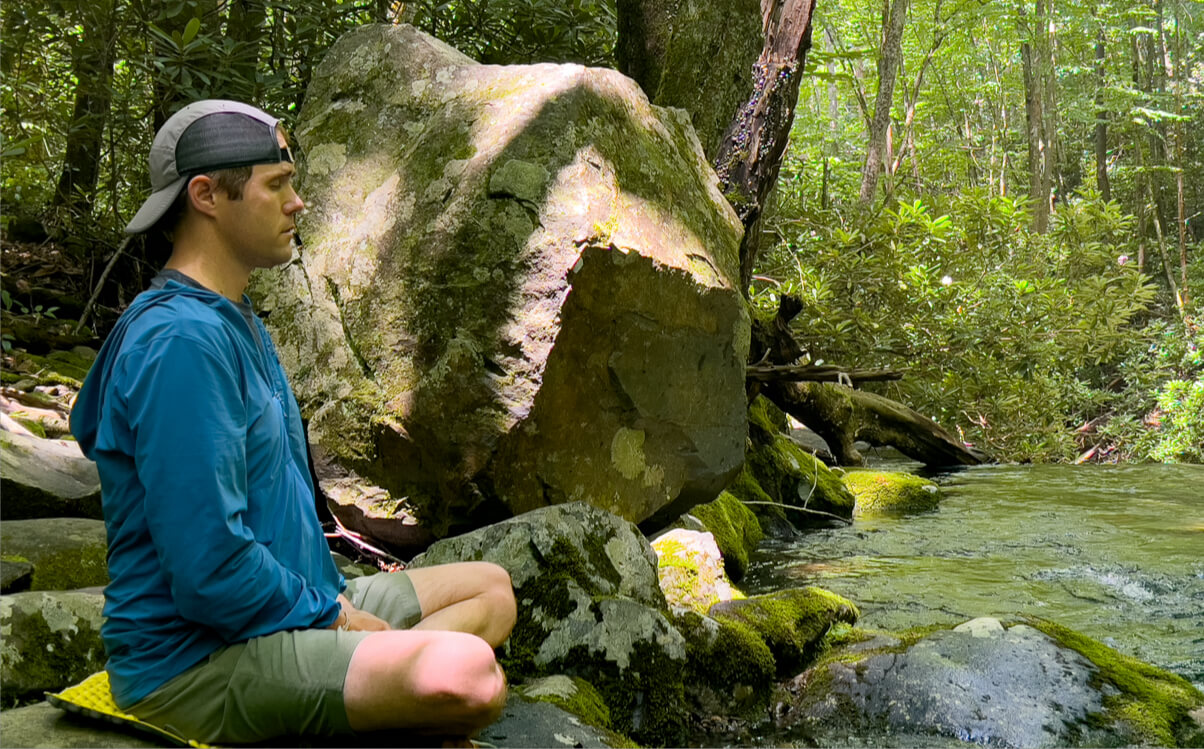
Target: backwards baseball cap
[202,137]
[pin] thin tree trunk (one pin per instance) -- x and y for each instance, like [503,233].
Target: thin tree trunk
[1101,120]
[1034,99]
[751,152]
[92,67]
[894,17]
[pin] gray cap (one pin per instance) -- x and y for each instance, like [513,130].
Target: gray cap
[205,136]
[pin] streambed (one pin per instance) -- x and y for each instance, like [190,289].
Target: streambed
[1115,552]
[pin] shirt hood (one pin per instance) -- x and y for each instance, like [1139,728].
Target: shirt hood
[89,404]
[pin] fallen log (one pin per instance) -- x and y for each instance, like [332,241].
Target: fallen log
[842,415]
[818,373]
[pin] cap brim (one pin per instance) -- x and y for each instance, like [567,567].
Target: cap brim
[155,206]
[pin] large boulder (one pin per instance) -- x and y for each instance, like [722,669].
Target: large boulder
[993,685]
[589,605]
[51,640]
[46,478]
[518,287]
[66,553]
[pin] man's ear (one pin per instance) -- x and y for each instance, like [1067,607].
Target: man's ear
[202,194]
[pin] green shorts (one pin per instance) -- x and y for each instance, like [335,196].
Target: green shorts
[283,684]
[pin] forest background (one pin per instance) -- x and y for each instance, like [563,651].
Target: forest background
[1002,198]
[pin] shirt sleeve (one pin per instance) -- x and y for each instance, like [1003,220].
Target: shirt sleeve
[189,422]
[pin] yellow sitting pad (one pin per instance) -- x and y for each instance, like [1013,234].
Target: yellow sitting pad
[93,697]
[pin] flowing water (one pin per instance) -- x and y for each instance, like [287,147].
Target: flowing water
[1116,553]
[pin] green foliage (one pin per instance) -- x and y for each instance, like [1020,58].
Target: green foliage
[1012,337]
[507,32]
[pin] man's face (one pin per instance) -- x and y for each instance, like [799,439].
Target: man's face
[259,227]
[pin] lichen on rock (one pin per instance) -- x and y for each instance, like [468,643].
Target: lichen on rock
[48,640]
[589,605]
[691,571]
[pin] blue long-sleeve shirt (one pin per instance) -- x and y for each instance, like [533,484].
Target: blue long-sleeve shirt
[209,508]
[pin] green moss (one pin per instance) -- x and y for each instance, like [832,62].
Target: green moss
[885,492]
[646,702]
[725,659]
[735,528]
[765,417]
[32,425]
[1155,703]
[575,695]
[792,622]
[74,568]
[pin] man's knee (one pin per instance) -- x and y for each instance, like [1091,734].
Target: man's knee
[442,681]
[460,671]
[500,590]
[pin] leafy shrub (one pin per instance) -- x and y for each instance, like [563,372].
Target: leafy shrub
[1026,344]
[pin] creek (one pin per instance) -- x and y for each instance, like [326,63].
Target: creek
[1115,552]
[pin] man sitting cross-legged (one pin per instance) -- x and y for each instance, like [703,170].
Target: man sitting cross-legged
[225,617]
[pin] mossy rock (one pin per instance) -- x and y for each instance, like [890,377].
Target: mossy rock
[1034,684]
[571,694]
[778,471]
[736,530]
[729,668]
[16,573]
[66,553]
[51,639]
[891,492]
[792,622]
[589,605]
[544,721]
[1156,705]
[690,569]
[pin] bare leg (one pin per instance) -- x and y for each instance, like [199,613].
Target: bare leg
[442,682]
[473,597]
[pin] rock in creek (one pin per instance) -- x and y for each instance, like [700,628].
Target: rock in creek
[992,685]
[66,553]
[690,569]
[517,289]
[51,639]
[588,605]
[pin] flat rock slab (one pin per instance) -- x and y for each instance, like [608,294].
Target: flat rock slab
[531,723]
[46,478]
[66,553]
[44,725]
[982,684]
[523,723]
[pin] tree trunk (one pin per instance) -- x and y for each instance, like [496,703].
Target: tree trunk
[1032,57]
[92,67]
[750,155]
[841,415]
[692,54]
[1101,120]
[894,17]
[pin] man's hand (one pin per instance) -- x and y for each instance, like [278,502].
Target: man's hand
[351,618]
